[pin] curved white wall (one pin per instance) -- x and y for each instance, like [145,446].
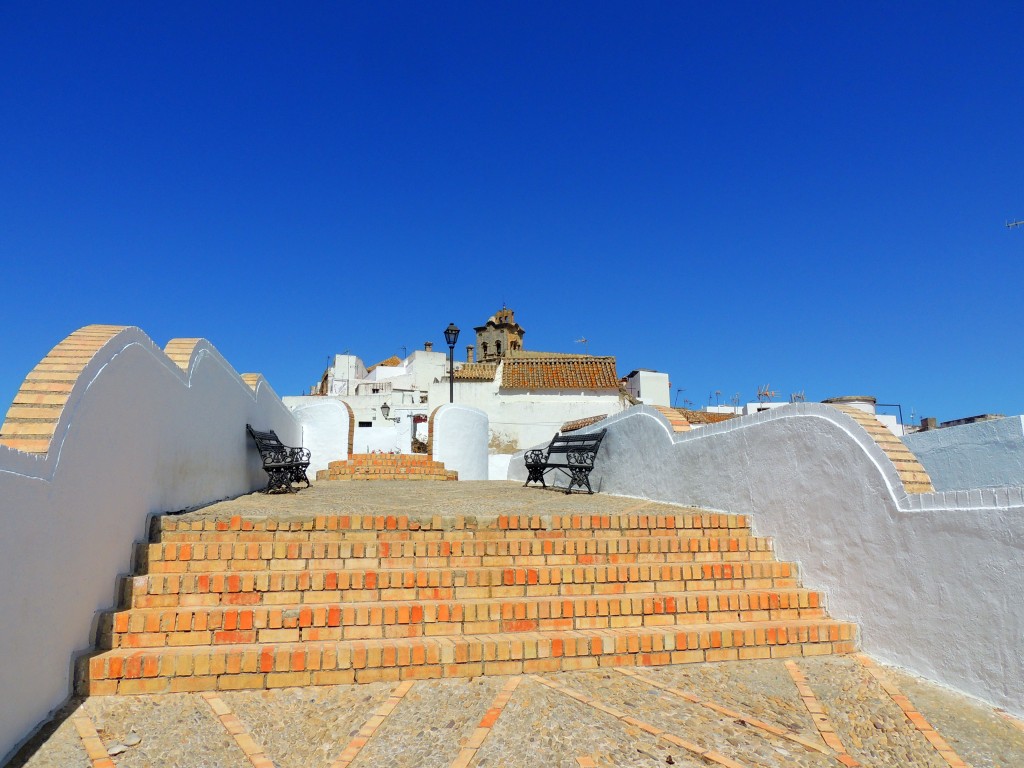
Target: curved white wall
[138,435]
[933,580]
[981,455]
[460,440]
[325,425]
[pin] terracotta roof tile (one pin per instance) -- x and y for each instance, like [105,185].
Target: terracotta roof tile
[476,372]
[579,372]
[571,426]
[391,362]
[704,417]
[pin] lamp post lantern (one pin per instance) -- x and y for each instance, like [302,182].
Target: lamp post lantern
[451,335]
[385,410]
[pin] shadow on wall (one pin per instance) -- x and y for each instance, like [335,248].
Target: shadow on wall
[105,431]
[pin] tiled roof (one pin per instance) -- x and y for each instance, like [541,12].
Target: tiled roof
[571,426]
[563,372]
[476,372]
[529,353]
[391,362]
[704,417]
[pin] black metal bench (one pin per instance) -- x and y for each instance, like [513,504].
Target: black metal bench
[284,464]
[573,455]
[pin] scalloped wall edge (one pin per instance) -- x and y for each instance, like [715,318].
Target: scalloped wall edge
[32,424]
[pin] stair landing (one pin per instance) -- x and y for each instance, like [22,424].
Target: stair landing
[387,466]
[373,582]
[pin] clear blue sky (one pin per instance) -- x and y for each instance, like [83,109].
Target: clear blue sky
[810,195]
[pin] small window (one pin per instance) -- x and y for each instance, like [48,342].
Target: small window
[497,348]
[365,423]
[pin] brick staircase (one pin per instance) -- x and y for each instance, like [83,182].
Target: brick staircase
[257,603]
[387,466]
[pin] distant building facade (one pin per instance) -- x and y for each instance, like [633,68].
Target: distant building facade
[526,395]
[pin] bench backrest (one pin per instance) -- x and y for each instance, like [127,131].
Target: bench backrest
[265,441]
[567,443]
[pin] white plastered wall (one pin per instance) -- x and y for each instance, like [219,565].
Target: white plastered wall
[460,440]
[932,580]
[526,418]
[325,423]
[138,436]
[981,455]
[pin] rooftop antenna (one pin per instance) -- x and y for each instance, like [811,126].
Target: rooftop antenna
[405,351]
[718,394]
[764,394]
[798,397]
[1014,224]
[585,342]
[736,400]
[678,392]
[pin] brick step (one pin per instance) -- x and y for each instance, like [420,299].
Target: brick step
[141,628]
[386,467]
[475,525]
[385,474]
[246,666]
[377,459]
[324,586]
[465,534]
[175,557]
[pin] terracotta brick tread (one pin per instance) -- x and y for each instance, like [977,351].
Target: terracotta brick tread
[321,586]
[465,536]
[138,628]
[379,523]
[191,668]
[178,556]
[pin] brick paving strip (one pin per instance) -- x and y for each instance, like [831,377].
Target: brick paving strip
[234,726]
[370,726]
[709,755]
[1018,724]
[818,716]
[915,717]
[487,722]
[91,741]
[729,713]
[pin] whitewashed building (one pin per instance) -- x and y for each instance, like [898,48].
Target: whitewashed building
[526,395]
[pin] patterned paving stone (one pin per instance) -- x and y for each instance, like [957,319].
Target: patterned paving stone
[303,727]
[691,721]
[871,726]
[58,743]
[762,689]
[177,731]
[541,727]
[981,736]
[431,724]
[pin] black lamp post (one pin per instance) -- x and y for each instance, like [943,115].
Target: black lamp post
[451,335]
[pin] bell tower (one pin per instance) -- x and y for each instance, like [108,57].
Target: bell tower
[498,337]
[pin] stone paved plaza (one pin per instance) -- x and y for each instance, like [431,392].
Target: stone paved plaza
[821,711]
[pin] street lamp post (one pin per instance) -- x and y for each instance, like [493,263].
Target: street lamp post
[451,335]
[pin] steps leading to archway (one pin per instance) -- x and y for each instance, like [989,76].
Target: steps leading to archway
[387,466]
[247,603]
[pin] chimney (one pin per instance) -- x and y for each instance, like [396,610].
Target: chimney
[469,353]
[929,423]
[428,346]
